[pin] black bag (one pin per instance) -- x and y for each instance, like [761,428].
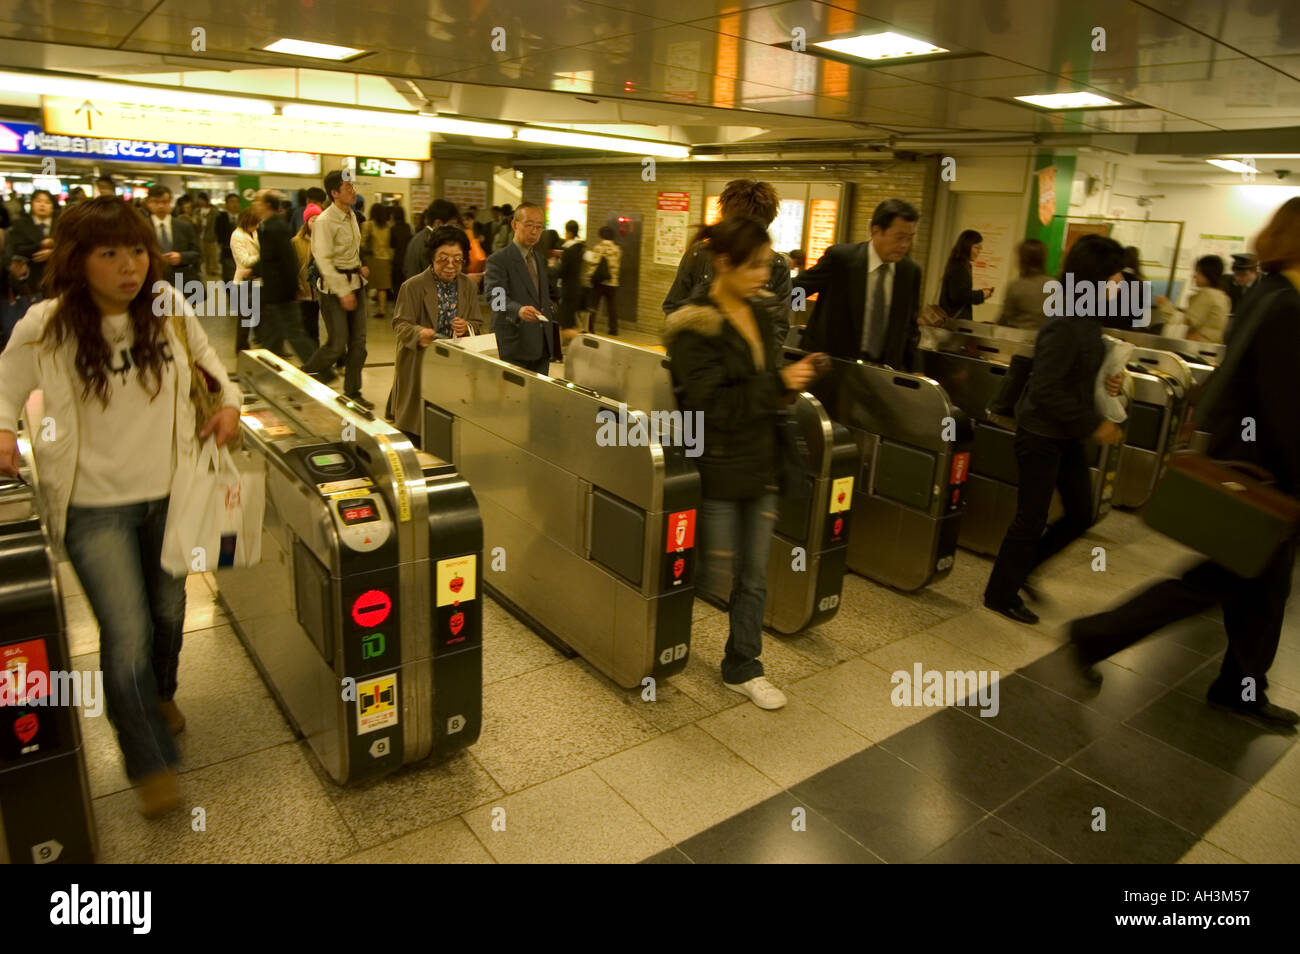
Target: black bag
[601,274]
[1013,385]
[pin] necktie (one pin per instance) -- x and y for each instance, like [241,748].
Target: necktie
[876,321]
[45,230]
[532,271]
[164,239]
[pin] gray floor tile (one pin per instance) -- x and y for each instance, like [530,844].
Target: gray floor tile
[448,842]
[777,831]
[1042,719]
[992,842]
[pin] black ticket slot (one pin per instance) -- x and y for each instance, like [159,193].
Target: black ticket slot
[45,814]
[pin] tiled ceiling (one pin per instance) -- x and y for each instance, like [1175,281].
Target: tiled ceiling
[1194,65]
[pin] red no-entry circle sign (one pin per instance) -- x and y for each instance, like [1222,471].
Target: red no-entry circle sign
[371,608]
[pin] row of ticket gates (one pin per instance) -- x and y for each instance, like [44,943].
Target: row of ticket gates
[365,614]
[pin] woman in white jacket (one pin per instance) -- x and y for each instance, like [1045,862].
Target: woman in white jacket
[246,248]
[116,418]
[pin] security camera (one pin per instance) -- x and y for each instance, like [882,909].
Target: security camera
[1281,173]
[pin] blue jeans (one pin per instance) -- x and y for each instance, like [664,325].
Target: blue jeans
[117,553]
[736,539]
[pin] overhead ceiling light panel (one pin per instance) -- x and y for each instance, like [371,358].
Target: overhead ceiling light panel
[450,126]
[417,122]
[317,51]
[43,84]
[556,137]
[1232,165]
[1078,100]
[880,46]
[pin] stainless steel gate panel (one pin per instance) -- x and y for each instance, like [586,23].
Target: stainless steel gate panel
[528,444]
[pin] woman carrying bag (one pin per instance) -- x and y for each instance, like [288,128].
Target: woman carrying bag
[119,419]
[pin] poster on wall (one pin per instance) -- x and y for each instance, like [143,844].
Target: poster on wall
[465,192]
[566,199]
[672,213]
[421,196]
[681,73]
[821,229]
[993,267]
[1046,194]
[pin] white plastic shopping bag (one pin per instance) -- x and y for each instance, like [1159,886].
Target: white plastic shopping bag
[214,518]
[1113,408]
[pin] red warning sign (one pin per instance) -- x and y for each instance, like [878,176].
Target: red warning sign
[960,467]
[371,608]
[681,530]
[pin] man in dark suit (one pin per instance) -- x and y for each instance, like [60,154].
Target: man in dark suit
[176,238]
[416,258]
[279,319]
[518,291]
[869,293]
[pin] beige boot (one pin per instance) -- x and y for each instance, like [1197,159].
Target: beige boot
[160,793]
[172,713]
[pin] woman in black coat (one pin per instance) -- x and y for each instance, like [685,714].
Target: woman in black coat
[1054,417]
[957,295]
[726,368]
[1258,381]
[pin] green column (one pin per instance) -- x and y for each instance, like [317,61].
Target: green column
[1052,235]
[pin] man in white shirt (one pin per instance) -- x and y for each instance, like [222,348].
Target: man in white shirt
[176,238]
[336,247]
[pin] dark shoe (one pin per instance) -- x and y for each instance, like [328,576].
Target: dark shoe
[359,399]
[1262,713]
[325,377]
[1031,592]
[1020,612]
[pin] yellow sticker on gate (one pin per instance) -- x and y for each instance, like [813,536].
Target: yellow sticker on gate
[841,494]
[456,580]
[376,703]
[399,478]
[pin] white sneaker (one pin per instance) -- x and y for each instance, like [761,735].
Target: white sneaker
[761,692]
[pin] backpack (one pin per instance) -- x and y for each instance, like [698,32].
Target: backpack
[601,273]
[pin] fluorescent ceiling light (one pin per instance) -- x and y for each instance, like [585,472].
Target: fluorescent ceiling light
[880,46]
[1232,165]
[416,122]
[556,137]
[1079,100]
[319,51]
[43,84]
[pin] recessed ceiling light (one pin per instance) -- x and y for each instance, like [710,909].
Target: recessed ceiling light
[1232,165]
[1079,100]
[319,51]
[880,46]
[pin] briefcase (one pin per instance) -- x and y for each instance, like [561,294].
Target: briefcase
[1224,509]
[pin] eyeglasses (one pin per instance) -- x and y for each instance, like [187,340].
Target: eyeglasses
[444,260]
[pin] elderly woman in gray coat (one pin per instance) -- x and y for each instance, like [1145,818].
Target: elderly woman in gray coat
[439,302]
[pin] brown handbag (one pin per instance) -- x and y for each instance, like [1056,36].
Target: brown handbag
[205,390]
[1227,510]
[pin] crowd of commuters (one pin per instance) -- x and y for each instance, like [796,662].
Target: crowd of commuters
[82,283]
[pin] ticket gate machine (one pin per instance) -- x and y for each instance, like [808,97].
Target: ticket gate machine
[805,568]
[911,464]
[971,370]
[365,613]
[45,813]
[589,522]
[1162,382]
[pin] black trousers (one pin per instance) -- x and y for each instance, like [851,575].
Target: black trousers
[1046,464]
[605,293]
[1253,610]
[310,319]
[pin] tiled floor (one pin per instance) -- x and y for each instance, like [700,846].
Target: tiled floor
[571,768]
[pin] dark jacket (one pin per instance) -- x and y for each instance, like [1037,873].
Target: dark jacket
[695,271]
[277,263]
[186,242]
[957,293]
[714,372]
[517,340]
[840,281]
[225,227]
[1059,397]
[416,257]
[25,240]
[399,236]
[1259,378]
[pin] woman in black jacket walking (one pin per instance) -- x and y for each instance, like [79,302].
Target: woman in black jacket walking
[1258,382]
[726,368]
[957,294]
[1054,416]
